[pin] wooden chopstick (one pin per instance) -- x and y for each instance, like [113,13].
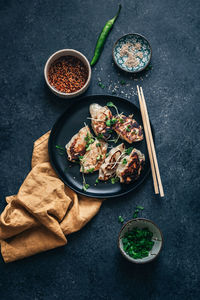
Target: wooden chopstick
[148,143]
[152,145]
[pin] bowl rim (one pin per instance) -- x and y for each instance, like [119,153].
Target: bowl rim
[137,71]
[132,259]
[86,62]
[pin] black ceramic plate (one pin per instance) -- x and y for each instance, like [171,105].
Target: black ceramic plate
[69,124]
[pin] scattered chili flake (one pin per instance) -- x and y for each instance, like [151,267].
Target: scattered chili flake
[68,74]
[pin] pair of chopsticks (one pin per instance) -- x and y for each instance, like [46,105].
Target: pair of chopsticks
[158,188]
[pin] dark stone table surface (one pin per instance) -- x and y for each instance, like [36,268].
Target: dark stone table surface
[90,265]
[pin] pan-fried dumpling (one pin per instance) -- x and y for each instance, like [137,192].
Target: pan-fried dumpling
[108,168]
[130,167]
[94,157]
[99,116]
[128,129]
[77,145]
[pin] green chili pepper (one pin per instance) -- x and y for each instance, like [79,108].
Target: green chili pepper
[102,38]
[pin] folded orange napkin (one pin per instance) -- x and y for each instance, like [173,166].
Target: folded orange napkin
[43,212]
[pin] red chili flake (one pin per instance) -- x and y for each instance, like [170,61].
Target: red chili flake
[68,74]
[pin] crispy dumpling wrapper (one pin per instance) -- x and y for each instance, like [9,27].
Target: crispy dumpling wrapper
[77,145]
[94,157]
[108,168]
[130,167]
[128,129]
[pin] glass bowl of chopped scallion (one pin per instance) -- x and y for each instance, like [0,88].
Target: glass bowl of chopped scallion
[140,240]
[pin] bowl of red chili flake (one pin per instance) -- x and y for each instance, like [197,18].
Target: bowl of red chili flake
[67,73]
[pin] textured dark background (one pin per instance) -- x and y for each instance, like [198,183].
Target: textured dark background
[90,266]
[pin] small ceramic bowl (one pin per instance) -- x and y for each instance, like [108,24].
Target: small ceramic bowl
[144,52]
[59,54]
[157,238]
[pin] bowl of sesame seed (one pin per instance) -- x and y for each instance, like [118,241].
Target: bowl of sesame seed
[67,73]
[132,53]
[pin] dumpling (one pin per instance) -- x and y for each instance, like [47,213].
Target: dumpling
[108,168]
[77,145]
[128,129]
[99,116]
[130,167]
[94,157]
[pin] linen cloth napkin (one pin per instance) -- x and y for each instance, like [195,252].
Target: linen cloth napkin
[43,212]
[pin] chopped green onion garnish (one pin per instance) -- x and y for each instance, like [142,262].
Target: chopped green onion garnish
[101,84]
[137,243]
[60,148]
[129,150]
[85,187]
[114,180]
[120,219]
[90,170]
[149,67]
[108,123]
[140,207]
[100,136]
[124,161]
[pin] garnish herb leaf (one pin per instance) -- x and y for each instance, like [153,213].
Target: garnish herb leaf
[101,84]
[90,170]
[111,122]
[129,150]
[60,148]
[108,123]
[99,157]
[137,243]
[120,219]
[140,207]
[86,186]
[114,180]
[111,104]
[100,136]
[149,67]
[124,161]
[123,82]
